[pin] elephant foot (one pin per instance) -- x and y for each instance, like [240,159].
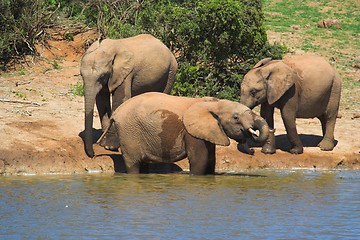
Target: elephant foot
[326,144]
[268,149]
[297,150]
[110,142]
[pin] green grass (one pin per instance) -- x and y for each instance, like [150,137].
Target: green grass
[77,89]
[295,21]
[56,65]
[22,72]
[19,94]
[281,16]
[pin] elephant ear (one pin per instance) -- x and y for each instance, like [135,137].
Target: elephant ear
[123,65]
[199,122]
[262,62]
[279,78]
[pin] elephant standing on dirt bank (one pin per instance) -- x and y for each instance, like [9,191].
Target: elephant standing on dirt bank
[122,68]
[155,127]
[301,87]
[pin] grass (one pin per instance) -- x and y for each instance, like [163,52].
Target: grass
[22,72]
[282,16]
[294,24]
[19,94]
[56,65]
[77,89]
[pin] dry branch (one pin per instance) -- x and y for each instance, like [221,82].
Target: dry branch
[20,101]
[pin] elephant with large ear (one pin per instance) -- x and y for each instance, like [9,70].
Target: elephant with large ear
[155,127]
[302,87]
[122,68]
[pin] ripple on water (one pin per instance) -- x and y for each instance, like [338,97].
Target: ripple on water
[265,204]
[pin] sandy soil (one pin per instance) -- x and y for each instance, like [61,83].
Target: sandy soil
[41,124]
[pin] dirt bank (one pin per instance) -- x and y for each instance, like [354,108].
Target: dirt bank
[40,124]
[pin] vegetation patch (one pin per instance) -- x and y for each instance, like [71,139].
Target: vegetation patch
[77,89]
[215,41]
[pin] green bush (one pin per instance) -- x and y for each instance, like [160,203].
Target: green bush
[215,41]
[21,24]
[77,89]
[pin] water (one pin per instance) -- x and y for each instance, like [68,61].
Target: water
[261,205]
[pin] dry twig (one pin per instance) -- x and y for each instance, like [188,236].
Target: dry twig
[20,101]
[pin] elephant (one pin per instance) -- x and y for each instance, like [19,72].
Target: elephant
[123,68]
[156,127]
[305,86]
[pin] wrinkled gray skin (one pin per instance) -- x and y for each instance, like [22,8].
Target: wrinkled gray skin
[301,87]
[155,127]
[122,68]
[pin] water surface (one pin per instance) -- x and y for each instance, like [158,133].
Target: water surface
[256,205]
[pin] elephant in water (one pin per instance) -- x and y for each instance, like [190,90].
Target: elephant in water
[302,87]
[156,127]
[122,68]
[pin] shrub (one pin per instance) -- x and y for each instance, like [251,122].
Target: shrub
[77,89]
[216,42]
[21,24]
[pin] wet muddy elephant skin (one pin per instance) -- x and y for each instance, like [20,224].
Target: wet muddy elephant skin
[122,69]
[301,87]
[156,127]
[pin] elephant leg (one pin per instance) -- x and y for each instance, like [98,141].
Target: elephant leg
[201,155]
[267,113]
[133,169]
[289,119]
[120,95]
[328,119]
[110,141]
[103,106]
[322,119]
[104,109]
[328,126]
[132,162]
[211,158]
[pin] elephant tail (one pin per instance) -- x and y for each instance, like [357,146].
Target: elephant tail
[105,131]
[171,75]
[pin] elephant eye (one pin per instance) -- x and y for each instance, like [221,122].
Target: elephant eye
[253,92]
[236,117]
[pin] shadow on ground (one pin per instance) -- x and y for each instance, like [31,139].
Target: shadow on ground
[282,141]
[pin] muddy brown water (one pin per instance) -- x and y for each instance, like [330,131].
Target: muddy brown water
[299,204]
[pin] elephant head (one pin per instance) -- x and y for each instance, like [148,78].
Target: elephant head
[104,67]
[266,81]
[218,121]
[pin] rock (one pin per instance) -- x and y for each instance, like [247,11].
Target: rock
[356,115]
[327,23]
[356,65]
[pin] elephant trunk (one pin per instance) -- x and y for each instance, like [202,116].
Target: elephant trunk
[247,101]
[89,113]
[261,125]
